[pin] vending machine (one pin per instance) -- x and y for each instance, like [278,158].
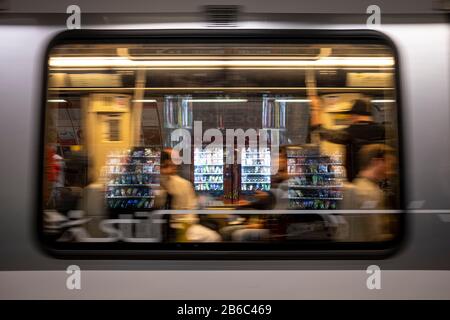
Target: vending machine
[255,169]
[209,170]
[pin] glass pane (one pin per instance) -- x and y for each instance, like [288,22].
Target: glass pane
[280,145]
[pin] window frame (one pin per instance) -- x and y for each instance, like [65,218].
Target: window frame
[121,250]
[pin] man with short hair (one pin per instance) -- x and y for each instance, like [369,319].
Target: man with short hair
[377,162]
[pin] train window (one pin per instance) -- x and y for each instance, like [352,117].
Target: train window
[211,144]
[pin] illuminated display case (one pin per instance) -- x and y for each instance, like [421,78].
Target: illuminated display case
[208,170]
[316,180]
[255,169]
[132,176]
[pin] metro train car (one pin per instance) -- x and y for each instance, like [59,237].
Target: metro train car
[244,151]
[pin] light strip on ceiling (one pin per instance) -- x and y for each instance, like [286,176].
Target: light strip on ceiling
[382,101]
[378,68]
[292,100]
[125,62]
[56,100]
[216,100]
[144,100]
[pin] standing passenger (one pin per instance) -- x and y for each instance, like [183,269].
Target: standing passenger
[362,131]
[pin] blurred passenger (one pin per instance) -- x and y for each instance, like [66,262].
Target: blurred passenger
[293,226]
[55,174]
[280,182]
[377,162]
[361,131]
[178,194]
[258,227]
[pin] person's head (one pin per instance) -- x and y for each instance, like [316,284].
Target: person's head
[360,111]
[168,167]
[359,118]
[52,147]
[377,161]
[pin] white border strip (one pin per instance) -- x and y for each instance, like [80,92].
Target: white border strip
[230,284]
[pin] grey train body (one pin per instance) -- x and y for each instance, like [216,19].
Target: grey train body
[422,42]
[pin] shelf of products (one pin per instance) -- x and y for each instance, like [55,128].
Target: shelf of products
[317,180]
[208,169]
[132,175]
[255,169]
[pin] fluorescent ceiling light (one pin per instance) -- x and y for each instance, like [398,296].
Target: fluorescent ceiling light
[56,100]
[292,100]
[382,101]
[145,100]
[125,62]
[216,100]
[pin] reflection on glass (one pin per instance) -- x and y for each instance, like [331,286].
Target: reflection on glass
[331,177]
